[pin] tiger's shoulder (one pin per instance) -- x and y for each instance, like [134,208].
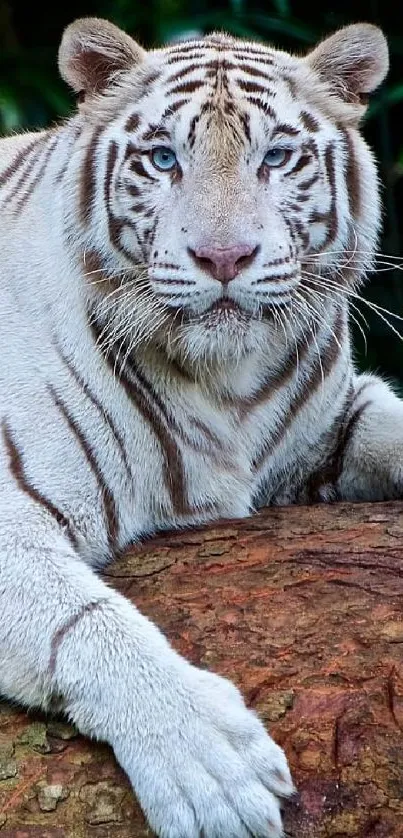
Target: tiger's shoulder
[15,147]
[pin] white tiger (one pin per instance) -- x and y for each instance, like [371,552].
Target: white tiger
[176,265]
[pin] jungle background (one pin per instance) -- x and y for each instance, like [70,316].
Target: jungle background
[32,95]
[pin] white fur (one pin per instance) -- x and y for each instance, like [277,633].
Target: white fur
[198,760]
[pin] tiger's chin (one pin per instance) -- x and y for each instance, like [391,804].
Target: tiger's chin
[221,334]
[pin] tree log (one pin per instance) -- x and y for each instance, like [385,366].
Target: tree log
[303,609]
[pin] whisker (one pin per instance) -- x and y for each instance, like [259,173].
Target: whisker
[324,321]
[352,305]
[304,306]
[344,251]
[377,309]
[118,317]
[350,293]
[373,268]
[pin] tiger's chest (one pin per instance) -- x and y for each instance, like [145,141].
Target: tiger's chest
[213,464]
[189,473]
[120,458]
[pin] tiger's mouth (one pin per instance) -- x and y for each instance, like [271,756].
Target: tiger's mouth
[225,312]
[225,306]
[232,314]
[228,313]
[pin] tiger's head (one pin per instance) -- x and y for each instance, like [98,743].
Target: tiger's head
[220,180]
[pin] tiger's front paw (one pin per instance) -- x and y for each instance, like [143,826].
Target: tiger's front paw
[376,474]
[207,767]
[372,455]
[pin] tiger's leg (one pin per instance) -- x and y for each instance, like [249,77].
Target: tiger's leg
[372,462]
[199,761]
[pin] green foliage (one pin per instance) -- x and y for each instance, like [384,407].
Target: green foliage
[32,94]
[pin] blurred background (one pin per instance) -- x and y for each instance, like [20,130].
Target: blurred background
[32,96]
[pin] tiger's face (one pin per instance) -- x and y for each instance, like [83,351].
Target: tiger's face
[228,172]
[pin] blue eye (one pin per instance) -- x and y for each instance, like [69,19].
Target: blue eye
[277,157]
[163,158]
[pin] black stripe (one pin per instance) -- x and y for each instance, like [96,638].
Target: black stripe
[186,87]
[46,156]
[330,217]
[107,497]
[307,184]
[103,412]
[352,171]
[320,367]
[245,122]
[185,71]
[32,159]
[256,73]
[263,106]
[183,50]
[137,166]
[132,123]
[68,152]
[274,383]
[309,122]
[175,59]
[285,128]
[302,161]
[115,225]
[274,278]
[253,87]
[291,84]
[336,441]
[301,231]
[88,178]
[244,52]
[61,632]
[158,418]
[146,400]
[18,471]
[174,108]
[156,132]
[19,159]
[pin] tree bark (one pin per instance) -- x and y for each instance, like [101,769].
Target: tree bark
[303,609]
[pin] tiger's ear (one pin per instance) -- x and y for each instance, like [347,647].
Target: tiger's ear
[93,52]
[353,62]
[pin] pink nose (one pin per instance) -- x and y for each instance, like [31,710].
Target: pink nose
[224,263]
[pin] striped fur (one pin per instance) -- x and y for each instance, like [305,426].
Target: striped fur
[176,349]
